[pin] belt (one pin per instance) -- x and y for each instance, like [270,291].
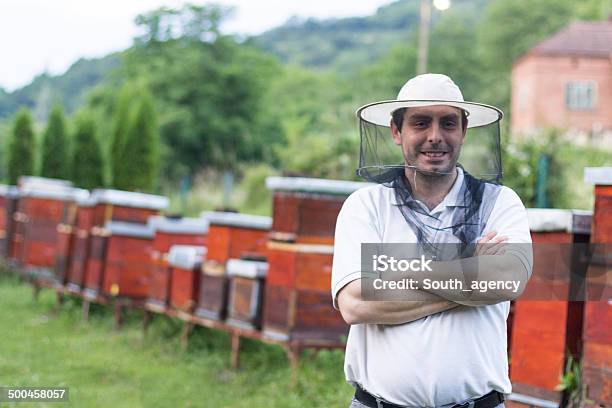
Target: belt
[490,400]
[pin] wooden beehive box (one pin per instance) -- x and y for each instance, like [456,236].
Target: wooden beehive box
[30,213]
[66,239]
[230,235]
[547,321]
[170,231]
[597,335]
[185,263]
[9,196]
[81,245]
[305,209]
[234,236]
[126,206]
[246,289]
[41,210]
[297,303]
[128,254]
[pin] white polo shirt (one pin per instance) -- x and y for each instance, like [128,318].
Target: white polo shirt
[441,359]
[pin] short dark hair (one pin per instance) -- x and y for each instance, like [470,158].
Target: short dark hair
[398,117]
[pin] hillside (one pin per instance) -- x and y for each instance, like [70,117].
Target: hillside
[348,43]
[343,44]
[69,89]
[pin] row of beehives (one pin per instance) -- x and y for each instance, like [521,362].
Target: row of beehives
[274,274]
[254,272]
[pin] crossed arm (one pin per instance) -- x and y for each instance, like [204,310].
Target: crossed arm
[489,263]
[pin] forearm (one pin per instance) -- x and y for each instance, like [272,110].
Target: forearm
[356,311]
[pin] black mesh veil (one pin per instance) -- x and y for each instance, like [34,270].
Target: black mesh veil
[380,159]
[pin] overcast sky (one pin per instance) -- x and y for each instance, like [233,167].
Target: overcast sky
[39,35]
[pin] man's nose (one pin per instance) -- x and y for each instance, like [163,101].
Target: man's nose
[435,133]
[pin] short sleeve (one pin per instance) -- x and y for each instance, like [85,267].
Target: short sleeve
[356,224]
[509,218]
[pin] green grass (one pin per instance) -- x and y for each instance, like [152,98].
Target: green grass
[46,345]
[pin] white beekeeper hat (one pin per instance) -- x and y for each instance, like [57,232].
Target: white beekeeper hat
[429,90]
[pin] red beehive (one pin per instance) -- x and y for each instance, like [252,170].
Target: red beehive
[120,206]
[125,206]
[42,207]
[185,262]
[128,254]
[597,335]
[170,231]
[297,303]
[9,196]
[305,209]
[547,321]
[230,235]
[67,238]
[246,288]
[81,245]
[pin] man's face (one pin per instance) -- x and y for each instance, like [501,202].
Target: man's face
[431,137]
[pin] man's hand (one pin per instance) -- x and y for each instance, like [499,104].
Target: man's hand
[490,244]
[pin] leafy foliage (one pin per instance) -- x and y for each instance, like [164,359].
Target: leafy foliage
[21,148]
[55,161]
[87,158]
[140,149]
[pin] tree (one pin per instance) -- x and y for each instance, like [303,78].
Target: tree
[87,159]
[141,148]
[55,156]
[118,138]
[22,147]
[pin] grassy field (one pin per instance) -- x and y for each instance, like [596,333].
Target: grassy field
[42,345]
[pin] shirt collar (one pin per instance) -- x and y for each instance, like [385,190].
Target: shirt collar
[454,198]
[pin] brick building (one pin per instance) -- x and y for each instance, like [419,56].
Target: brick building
[566,82]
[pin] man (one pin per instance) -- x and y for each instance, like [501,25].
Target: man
[448,347]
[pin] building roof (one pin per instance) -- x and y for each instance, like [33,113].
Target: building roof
[581,38]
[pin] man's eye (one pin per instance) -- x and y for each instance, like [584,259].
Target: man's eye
[450,124]
[420,124]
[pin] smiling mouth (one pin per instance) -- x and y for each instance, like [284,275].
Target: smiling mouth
[434,154]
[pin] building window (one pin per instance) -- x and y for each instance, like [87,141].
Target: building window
[580,95]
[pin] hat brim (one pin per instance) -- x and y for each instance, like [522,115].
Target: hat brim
[379,113]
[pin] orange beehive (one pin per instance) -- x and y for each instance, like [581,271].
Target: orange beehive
[125,206]
[119,206]
[42,208]
[128,253]
[81,245]
[246,289]
[185,262]
[170,231]
[597,335]
[66,239]
[297,303]
[230,235]
[9,196]
[305,209]
[547,321]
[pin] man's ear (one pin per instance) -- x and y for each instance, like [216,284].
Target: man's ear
[395,133]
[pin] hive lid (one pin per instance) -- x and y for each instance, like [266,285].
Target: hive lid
[179,225]
[130,199]
[186,256]
[314,185]
[549,219]
[247,269]
[42,182]
[601,176]
[129,229]
[53,192]
[238,220]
